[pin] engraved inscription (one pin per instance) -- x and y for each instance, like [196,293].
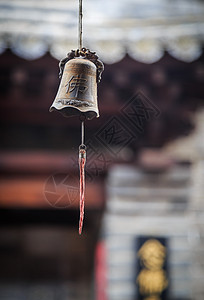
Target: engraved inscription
[76,85]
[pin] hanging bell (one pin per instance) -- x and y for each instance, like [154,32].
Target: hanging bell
[80,72]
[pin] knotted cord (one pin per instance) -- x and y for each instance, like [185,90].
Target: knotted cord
[82,161]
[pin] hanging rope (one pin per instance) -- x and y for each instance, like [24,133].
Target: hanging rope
[82,161]
[80,25]
[82,132]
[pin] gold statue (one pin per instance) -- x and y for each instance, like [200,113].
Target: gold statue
[152,279]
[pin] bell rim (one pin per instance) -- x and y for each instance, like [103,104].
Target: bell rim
[85,111]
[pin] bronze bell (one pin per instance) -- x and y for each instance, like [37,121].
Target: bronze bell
[77,93]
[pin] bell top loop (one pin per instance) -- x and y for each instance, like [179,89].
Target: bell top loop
[87,54]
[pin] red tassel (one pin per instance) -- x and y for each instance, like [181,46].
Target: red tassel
[82,161]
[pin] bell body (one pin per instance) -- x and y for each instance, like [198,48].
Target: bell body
[77,93]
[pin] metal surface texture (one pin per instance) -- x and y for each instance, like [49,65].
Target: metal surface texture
[77,93]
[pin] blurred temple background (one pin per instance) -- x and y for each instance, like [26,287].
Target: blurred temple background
[143,235]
